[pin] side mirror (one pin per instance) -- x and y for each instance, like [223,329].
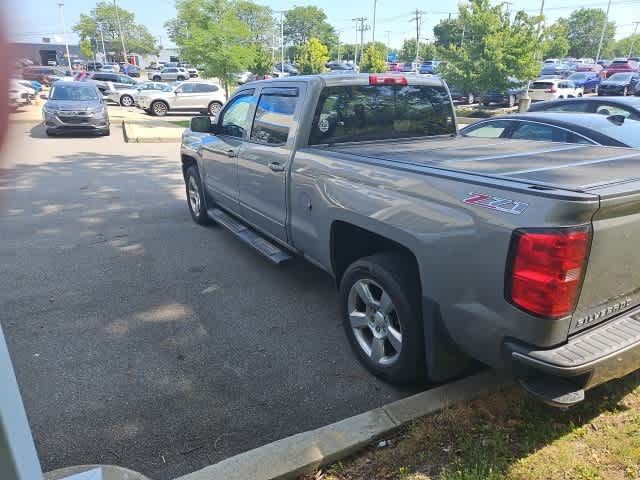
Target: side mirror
[203,125]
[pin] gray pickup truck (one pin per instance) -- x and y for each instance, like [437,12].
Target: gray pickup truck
[446,250]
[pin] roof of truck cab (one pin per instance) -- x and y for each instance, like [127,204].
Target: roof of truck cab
[574,167]
[347,78]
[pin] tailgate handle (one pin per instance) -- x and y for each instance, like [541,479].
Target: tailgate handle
[276,167]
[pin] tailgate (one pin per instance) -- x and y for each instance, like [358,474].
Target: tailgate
[612,280]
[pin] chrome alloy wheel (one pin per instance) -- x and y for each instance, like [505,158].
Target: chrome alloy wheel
[375,322]
[194,196]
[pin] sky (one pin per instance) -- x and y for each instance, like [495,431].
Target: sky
[33,19]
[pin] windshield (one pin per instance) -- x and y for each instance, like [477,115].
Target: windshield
[78,93]
[370,112]
[578,76]
[620,77]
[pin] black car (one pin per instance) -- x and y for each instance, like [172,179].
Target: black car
[458,95]
[628,107]
[588,129]
[622,83]
[509,97]
[94,66]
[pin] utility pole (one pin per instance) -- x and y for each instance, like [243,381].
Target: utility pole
[633,37]
[124,49]
[538,38]
[339,58]
[388,32]
[360,27]
[373,29]
[282,41]
[604,29]
[104,52]
[418,19]
[64,33]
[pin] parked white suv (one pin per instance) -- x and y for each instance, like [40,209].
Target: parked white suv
[171,74]
[201,96]
[553,88]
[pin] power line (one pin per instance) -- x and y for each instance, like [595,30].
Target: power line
[360,28]
[418,19]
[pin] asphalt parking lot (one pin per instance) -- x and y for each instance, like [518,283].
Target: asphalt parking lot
[143,340]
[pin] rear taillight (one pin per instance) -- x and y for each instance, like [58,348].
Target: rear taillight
[546,268]
[553,89]
[387,80]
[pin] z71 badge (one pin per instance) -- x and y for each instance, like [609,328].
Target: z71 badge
[505,205]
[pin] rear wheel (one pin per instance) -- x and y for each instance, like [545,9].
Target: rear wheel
[156,78]
[625,92]
[195,196]
[512,100]
[380,300]
[126,100]
[159,109]
[181,79]
[214,109]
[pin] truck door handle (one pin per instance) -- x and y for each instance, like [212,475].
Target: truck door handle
[231,153]
[276,167]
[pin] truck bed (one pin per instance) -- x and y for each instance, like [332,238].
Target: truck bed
[580,168]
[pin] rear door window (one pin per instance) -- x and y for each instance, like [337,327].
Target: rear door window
[274,115]
[609,109]
[538,131]
[580,107]
[378,112]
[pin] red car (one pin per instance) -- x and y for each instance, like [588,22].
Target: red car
[589,67]
[44,75]
[622,66]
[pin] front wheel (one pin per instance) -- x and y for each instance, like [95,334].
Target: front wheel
[156,78]
[195,196]
[512,101]
[625,92]
[126,100]
[380,301]
[181,79]
[159,109]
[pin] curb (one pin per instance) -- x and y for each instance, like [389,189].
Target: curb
[131,134]
[106,472]
[305,452]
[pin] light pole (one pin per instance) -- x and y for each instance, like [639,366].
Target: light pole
[282,41]
[64,33]
[633,38]
[124,50]
[373,29]
[604,29]
[540,27]
[104,52]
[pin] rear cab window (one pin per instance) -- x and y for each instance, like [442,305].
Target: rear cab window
[379,112]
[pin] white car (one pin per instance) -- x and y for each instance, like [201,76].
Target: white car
[127,96]
[23,93]
[190,96]
[170,73]
[109,69]
[553,88]
[193,71]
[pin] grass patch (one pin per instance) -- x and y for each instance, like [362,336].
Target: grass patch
[181,123]
[509,436]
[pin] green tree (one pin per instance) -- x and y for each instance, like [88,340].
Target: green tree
[347,51]
[555,42]
[213,34]
[625,45]
[86,48]
[303,23]
[407,53]
[495,48]
[262,62]
[259,19]
[584,27]
[447,33]
[373,60]
[313,56]
[105,18]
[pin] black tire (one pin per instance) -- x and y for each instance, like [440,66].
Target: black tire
[512,101]
[192,179]
[181,79]
[625,92]
[106,133]
[471,99]
[397,276]
[157,78]
[50,133]
[126,100]
[214,109]
[159,108]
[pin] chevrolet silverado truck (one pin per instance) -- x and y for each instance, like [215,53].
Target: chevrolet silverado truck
[446,250]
